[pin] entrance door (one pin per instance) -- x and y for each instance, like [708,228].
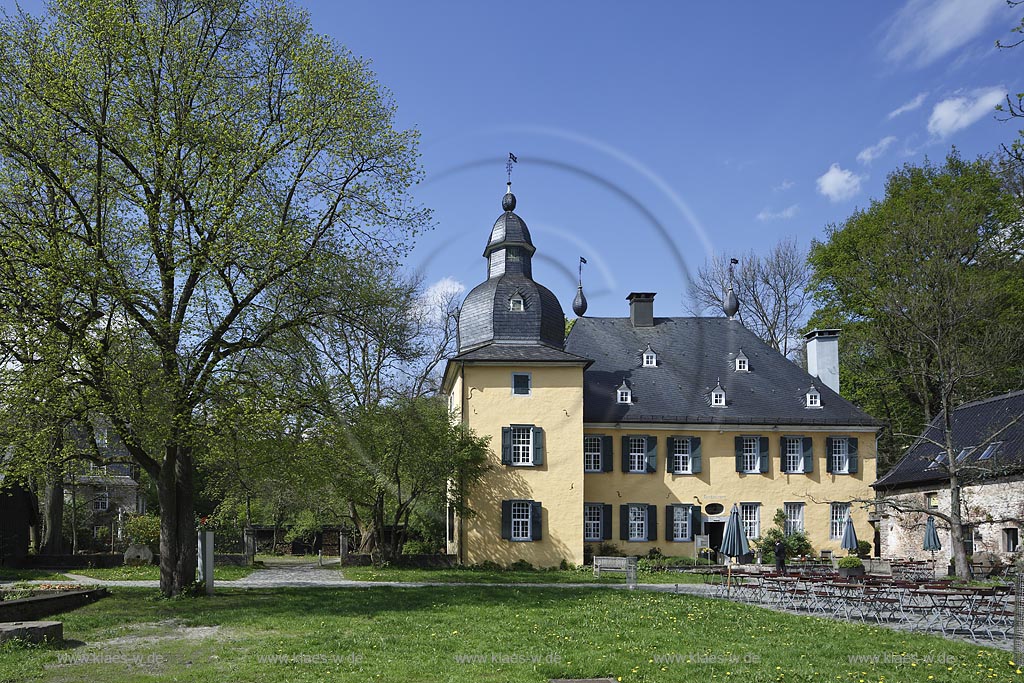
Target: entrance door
[714,530]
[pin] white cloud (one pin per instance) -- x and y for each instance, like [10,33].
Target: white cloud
[767,214]
[838,184]
[783,186]
[923,31]
[438,293]
[869,154]
[956,113]
[909,106]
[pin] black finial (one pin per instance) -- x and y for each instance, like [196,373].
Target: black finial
[579,304]
[508,202]
[730,304]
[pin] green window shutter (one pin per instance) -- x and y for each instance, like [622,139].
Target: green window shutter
[624,522]
[696,523]
[506,519]
[606,454]
[538,445]
[782,455]
[652,522]
[669,518]
[739,453]
[763,447]
[536,519]
[652,454]
[506,445]
[670,454]
[828,454]
[851,450]
[808,454]
[625,454]
[695,459]
[606,521]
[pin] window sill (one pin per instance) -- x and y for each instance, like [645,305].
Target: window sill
[683,473]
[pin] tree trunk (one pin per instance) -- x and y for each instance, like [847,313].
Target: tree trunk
[956,531]
[53,520]
[177,522]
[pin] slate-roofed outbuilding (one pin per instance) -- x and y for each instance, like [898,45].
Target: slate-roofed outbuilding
[693,356]
[987,433]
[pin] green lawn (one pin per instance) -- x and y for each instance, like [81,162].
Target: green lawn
[152,573]
[486,634]
[470,575]
[8,574]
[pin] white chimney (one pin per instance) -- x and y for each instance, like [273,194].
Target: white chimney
[823,357]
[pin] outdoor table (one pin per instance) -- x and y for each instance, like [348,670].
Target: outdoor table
[943,608]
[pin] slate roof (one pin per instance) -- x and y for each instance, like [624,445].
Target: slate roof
[694,354]
[485,315]
[513,353]
[974,424]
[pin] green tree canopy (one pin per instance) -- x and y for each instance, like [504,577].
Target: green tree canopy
[181,183]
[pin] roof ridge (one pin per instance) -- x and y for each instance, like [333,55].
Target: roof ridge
[990,399]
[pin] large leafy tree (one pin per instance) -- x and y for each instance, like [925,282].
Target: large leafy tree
[929,282]
[181,182]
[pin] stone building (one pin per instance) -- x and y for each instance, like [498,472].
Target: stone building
[641,430]
[988,437]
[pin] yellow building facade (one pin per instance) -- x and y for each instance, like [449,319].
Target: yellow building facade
[640,431]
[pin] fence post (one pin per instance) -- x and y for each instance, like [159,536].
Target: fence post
[1018,621]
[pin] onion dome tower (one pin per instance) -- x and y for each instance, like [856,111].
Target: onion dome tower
[509,307]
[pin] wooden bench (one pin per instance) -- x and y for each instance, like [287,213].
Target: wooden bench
[626,565]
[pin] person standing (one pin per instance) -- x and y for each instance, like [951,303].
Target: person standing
[780,557]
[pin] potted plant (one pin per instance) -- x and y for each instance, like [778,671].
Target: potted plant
[851,565]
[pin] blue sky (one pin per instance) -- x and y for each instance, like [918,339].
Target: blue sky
[652,133]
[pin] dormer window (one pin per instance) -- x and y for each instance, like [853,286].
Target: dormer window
[718,396]
[650,358]
[813,398]
[742,364]
[516,304]
[623,395]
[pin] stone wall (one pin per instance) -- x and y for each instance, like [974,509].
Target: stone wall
[902,535]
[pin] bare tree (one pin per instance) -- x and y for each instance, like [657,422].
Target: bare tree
[772,290]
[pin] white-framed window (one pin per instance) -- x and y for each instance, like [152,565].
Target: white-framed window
[681,463]
[751,455]
[750,516]
[521,384]
[718,397]
[650,358]
[522,445]
[637,454]
[794,454]
[794,518]
[591,454]
[840,456]
[623,394]
[516,304]
[592,522]
[521,520]
[931,500]
[638,522]
[681,522]
[813,398]
[1011,539]
[742,364]
[100,531]
[101,502]
[838,520]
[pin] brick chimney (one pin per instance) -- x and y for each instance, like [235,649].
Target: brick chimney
[641,309]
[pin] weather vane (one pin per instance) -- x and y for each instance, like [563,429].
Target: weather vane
[582,261]
[732,262]
[508,165]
